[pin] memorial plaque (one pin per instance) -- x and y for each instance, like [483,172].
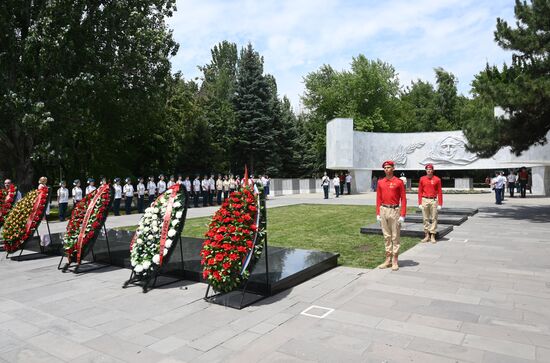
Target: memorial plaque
[457,211]
[408,230]
[452,219]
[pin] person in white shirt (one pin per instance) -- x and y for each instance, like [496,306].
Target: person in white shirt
[62,200]
[511,183]
[232,184]
[196,191]
[180,179]
[498,182]
[171,182]
[325,183]
[205,185]
[211,190]
[118,196]
[151,190]
[225,185]
[348,183]
[161,185]
[336,181]
[128,195]
[187,185]
[140,195]
[91,186]
[219,189]
[404,180]
[265,183]
[77,192]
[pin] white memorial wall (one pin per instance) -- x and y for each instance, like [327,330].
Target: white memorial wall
[362,152]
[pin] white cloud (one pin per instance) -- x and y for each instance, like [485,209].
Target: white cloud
[297,37]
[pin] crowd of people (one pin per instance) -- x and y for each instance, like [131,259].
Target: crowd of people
[340,182]
[205,191]
[516,182]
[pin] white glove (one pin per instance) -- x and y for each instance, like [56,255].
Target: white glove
[438,207]
[420,206]
[401,220]
[378,219]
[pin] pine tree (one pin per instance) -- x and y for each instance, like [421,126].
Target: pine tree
[522,89]
[253,135]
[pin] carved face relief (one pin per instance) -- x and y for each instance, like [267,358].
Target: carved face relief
[450,150]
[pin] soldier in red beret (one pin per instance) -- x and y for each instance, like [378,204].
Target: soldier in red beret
[390,193]
[430,200]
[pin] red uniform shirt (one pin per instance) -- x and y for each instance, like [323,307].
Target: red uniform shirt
[430,187]
[390,192]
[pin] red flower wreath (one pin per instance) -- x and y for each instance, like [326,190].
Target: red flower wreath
[7,197]
[86,220]
[24,219]
[229,241]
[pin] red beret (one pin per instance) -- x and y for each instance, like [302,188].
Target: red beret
[429,166]
[388,162]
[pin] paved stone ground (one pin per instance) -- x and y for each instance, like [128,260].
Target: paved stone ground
[480,295]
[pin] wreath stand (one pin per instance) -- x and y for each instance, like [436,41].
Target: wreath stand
[35,255]
[98,266]
[239,299]
[149,281]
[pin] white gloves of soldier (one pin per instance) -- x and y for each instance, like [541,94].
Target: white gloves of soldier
[378,219]
[420,206]
[401,220]
[438,207]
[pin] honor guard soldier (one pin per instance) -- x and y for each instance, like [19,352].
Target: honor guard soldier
[211,190]
[205,185]
[348,183]
[118,196]
[140,195]
[171,182]
[180,179]
[390,192]
[128,195]
[102,180]
[232,184]
[219,189]
[196,191]
[187,185]
[62,200]
[91,186]
[430,201]
[77,192]
[151,190]
[161,185]
[225,185]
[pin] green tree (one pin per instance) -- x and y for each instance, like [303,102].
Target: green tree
[253,132]
[216,99]
[83,86]
[522,89]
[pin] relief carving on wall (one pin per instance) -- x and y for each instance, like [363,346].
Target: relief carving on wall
[400,156]
[450,150]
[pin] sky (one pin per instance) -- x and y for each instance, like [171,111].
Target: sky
[298,37]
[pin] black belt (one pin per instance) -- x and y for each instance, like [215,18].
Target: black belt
[390,205]
[429,197]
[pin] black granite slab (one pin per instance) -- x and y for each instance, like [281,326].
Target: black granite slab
[458,211]
[288,267]
[452,219]
[408,230]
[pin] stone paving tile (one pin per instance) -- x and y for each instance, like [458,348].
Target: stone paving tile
[186,353]
[123,350]
[491,357]
[29,354]
[386,352]
[96,357]
[421,331]
[213,339]
[500,346]
[317,351]
[445,349]
[167,345]
[278,357]
[447,324]
[59,347]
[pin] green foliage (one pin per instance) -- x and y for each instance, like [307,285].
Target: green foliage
[522,89]
[82,82]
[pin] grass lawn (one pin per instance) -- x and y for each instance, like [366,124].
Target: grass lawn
[332,228]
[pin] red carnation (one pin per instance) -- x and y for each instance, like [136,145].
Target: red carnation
[205,274]
[233,256]
[226,265]
[216,275]
[219,257]
[218,237]
[211,261]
